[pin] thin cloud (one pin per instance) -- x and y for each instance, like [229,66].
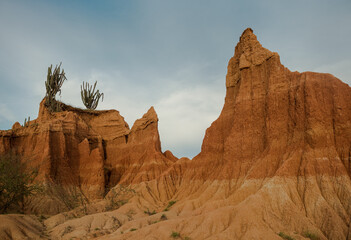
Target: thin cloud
[185,114]
[6,115]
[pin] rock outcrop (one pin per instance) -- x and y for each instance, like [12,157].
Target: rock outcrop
[277,122]
[90,150]
[278,156]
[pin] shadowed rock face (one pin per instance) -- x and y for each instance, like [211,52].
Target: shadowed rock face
[278,158]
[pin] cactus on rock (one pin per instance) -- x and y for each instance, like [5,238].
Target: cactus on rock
[90,98]
[53,85]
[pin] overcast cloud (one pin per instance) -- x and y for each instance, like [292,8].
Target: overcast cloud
[168,54]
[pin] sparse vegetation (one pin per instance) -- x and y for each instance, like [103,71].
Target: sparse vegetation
[72,197]
[133,229]
[187,238]
[310,235]
[90,98]
[163,217]
[53,86]
[41,218]
[152,222]
[118,196]
[175,234]
[170,204]
[285,236]
[150,213]
[130,214]
[68,229]
[16,182]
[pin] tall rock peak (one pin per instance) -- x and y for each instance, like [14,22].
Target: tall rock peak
[248,53]
[151,113]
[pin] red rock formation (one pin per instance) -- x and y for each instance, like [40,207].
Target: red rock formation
[276,160]
[89,149]
[137,156]
[277,122]
[64,148]
[280,149]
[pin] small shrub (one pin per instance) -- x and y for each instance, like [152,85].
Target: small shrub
[152,222]
[68,229]
[41,218]
[187,238]
[284,236]
[175,234]
[71,197]
[150,213]
[163,217]
[118,196]
[170,204]
[16,182]
[310,235]
[133,229]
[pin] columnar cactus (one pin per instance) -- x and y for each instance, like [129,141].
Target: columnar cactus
[26,123]
[53,85]
[90,98]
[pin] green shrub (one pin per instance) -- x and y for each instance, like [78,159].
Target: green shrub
[175,234]
[16,182]
[150,213]
[284,236]
[163,217]
[310,235]
[133,229]
[170,204]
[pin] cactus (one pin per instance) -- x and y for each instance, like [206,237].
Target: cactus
[26,123]
[53,85]
[90,98]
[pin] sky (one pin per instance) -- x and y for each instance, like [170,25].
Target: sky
[172,55]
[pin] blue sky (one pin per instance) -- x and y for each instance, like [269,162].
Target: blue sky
[171,55]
